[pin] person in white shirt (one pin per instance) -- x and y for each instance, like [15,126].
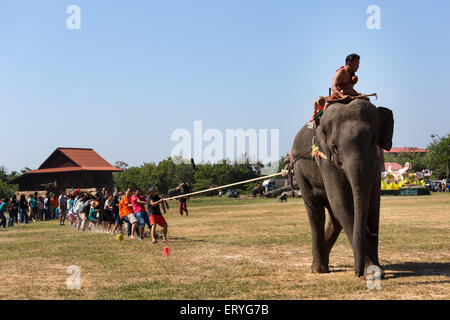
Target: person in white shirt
[62,202]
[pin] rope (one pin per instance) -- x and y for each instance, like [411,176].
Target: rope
[225,186]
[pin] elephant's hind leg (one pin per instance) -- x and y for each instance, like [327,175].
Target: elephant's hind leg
[332,231]
[316,215]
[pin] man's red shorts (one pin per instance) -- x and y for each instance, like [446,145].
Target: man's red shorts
[158,220]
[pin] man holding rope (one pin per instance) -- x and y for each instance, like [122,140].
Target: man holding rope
[156,215]
[127,213]
[138,202]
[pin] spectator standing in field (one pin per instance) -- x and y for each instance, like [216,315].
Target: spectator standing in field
[32,206]
[182,201]
[3,206]
[47,205]
[40,202]
[13,211]
[156,216]
[8,209]
[55,204]
[128,215]
[23,209]
[62,204]
[139,203]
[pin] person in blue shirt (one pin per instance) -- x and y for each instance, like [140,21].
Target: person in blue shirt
[33,208]
[3,206]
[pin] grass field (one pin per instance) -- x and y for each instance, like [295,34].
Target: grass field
[231,249]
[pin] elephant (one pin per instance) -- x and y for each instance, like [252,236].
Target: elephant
[343,176]
[259,189]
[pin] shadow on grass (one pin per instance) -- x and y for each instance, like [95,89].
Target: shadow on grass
[184,239]
[340,268]
[414,269]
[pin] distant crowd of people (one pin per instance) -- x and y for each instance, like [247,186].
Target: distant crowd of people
[440,186]
[34,208]
[102,212]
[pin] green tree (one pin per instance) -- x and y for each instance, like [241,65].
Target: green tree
[417,160]
[3,174]
[7,190]
[438,156]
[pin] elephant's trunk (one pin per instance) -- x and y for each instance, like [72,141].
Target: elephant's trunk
[360,179]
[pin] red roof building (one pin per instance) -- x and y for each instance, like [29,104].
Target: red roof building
[69,168]
[406,150]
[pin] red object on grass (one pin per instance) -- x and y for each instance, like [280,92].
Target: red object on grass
[166,251]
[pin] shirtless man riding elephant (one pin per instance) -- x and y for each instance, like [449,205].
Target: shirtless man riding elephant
[345,79]
[342,85]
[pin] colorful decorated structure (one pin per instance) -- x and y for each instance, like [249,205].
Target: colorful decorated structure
[403,178]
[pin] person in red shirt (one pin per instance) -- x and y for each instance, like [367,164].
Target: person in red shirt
[182,206]
[55,204]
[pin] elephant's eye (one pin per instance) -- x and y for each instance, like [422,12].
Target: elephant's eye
[334,148]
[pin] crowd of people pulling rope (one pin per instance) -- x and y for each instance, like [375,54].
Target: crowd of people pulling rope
[103,212]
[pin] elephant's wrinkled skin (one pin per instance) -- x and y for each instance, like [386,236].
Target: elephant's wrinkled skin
[347,183]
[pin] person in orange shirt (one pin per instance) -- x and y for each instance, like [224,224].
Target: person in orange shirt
[127,214]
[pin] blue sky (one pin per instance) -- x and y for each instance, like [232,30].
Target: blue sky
[138,70]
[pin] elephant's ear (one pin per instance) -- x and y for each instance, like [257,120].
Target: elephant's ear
[386,128]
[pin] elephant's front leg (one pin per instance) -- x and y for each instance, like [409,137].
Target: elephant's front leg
[315,208]
[373,222]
